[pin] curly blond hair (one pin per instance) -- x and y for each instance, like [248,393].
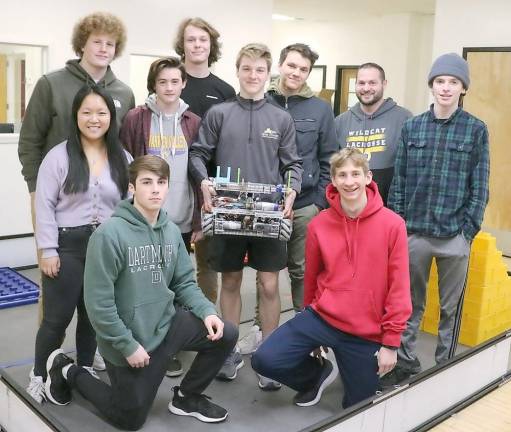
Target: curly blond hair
[99,22]
[214,43]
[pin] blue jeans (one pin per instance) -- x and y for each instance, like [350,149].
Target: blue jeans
[285,357]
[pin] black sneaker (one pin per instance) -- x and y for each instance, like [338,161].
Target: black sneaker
[174,368]
[395,378]
[198,406]
[56,386]
[312,396]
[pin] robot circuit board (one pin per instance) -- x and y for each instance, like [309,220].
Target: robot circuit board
[239,209]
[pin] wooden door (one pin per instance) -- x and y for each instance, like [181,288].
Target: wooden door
[489,99]
[3,88]
[345,88]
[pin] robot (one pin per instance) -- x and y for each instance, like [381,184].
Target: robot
[239,210]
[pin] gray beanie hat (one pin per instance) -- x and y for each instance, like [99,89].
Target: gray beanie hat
[450,64]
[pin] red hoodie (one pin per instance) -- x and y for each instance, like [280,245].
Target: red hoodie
[356,271]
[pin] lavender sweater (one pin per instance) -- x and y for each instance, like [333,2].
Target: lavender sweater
[54,209]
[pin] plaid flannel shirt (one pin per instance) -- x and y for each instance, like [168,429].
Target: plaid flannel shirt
[440,184]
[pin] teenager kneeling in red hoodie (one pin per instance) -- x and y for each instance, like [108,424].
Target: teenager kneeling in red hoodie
[357,293]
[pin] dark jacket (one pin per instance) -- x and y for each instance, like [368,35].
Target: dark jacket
[255,137]
[315,141]
[135,132]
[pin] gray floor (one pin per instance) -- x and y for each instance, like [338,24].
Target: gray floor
[250,409]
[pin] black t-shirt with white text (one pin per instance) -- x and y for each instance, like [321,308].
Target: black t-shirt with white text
[201,93]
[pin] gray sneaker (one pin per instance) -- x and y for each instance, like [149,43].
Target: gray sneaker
[268,384]
[232,363]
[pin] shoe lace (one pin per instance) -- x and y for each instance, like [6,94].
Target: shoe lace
[231,359]
[200,396]
[197,396]
[36,388]
[91,370]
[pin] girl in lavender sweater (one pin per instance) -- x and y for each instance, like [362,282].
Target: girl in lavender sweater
[79,183]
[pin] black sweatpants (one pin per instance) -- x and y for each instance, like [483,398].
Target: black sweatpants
[130,395]
[62,295]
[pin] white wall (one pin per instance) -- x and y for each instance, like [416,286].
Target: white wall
[15,215]
[151,26]
[151,29]
[419,59]
[400,43]
[471,23]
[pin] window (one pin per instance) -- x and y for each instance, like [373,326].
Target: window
[20,68]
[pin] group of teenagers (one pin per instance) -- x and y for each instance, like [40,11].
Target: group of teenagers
[117,193]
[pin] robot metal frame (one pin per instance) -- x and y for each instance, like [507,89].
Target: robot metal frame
[245,214]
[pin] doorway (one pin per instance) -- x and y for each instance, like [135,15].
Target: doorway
[488,99]
[3,88]
[345,97]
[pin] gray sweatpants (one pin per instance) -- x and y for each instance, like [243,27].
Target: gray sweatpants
[451,256]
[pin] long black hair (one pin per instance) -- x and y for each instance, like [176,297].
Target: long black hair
[77,179]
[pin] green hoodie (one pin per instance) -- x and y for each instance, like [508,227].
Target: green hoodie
[134,272]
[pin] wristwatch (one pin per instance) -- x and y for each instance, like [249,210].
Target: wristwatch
[393,348]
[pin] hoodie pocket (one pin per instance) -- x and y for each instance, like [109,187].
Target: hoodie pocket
[147,319]
[353,311]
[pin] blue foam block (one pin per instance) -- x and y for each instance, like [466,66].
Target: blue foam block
[15,289]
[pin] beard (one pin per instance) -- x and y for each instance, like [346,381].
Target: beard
[376,97]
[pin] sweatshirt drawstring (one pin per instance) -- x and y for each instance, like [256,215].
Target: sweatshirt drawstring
[160,126]
[351,245]
[347,236]
[174,136]
[355,261]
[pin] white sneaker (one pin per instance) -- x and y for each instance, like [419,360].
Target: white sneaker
[98,363]
[91,371]
[249,343]
[36,387]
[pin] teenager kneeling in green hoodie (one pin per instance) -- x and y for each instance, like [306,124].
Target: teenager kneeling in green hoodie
[145,305]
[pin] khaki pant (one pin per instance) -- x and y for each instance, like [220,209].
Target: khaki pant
[207,279]
[296,252]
